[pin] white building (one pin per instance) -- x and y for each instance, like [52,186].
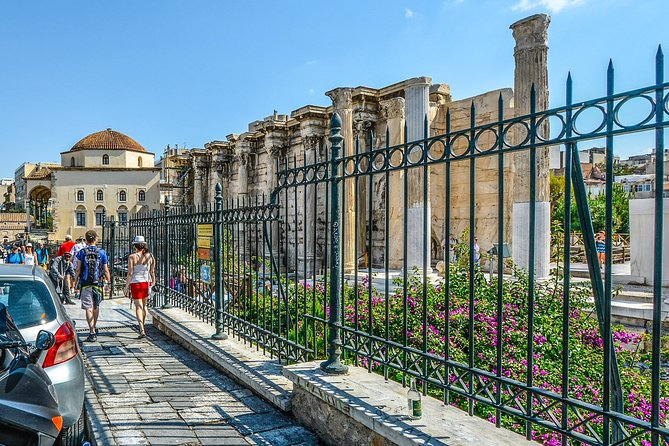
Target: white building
[106,173]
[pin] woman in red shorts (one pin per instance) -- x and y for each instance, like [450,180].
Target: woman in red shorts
[141,275]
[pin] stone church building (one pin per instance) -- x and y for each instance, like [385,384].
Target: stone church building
[106,173]
[246,164]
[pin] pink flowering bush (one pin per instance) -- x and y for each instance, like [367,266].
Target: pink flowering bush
[440,326]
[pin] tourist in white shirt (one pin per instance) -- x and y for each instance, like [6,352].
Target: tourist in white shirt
[29,256]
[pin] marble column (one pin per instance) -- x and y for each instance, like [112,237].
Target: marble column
[417,97]
[274,154]
[242,152]
[342,100]
[311,143]
[197,183]
[531,54]
[362,126]
[393,112]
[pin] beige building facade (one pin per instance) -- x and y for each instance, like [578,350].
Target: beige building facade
[105,174]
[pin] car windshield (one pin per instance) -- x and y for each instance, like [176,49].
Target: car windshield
[28,301]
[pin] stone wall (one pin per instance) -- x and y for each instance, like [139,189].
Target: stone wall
[246,164]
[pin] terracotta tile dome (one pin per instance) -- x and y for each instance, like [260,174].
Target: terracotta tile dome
[108,140]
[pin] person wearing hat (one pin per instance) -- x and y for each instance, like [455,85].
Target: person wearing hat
[66,246]
[15,255]
[61,273]
[29,257]
[141,275]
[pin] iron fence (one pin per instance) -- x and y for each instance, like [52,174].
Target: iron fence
[522,352]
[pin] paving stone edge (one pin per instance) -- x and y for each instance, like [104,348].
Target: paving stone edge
[215,354]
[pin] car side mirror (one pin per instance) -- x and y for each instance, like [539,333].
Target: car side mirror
[45,340]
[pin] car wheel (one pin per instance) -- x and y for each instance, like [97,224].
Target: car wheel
[74,435]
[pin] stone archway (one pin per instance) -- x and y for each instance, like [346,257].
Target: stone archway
[38,207]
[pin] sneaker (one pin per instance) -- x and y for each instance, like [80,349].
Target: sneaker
[91,338]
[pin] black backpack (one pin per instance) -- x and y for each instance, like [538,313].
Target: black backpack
[90,266]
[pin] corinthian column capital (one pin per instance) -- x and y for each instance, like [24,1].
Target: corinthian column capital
[392,108]
[342,97]
[531,32]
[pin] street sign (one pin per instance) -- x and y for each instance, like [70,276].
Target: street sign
[205,273]
[205,230]
[204,242]
[204,253]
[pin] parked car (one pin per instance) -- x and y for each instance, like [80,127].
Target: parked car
[34,304]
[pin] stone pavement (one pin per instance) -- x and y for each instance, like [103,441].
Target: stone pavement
[153,392]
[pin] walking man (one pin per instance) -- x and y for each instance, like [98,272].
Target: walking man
[92,270]
[62,273]
[66,246]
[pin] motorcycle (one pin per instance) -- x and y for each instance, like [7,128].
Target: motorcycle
[29,413]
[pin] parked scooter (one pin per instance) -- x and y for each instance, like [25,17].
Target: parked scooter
[28,408]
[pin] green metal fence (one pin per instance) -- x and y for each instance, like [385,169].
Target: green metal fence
[521,352]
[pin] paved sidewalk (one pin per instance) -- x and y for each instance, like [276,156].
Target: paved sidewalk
[153,392]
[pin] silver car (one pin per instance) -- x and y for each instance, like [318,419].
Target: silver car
[34,304]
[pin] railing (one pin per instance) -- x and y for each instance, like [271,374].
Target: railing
[620,248]
[526,355]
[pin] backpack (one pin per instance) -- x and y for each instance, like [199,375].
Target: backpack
[12,257]
[90,265]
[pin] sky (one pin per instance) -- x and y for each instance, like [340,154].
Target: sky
[189,72]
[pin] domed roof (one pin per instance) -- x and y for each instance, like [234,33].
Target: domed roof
[108,140]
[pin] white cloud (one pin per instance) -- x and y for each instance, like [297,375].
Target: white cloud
[408,13]
[553,6]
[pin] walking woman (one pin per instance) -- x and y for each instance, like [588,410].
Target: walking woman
[600,244]
[141,275]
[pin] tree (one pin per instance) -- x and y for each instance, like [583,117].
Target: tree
[597,205]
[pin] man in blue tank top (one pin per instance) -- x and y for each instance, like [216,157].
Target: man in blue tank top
[92,270]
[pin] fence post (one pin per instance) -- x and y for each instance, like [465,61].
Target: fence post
[333,364]
[154,250]
[218,263]
[112,253]
[166,257]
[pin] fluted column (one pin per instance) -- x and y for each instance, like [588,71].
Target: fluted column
[417,97]
[343,104]
[242,154]
[531,57]
[311,143]
[275,153]
[393,112]
[197,182]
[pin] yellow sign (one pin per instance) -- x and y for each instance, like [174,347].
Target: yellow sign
[205,230]
[204,242]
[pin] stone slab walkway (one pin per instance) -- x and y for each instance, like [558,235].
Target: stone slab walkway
[153,392]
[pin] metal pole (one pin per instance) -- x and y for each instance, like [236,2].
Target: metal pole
[333,364]
[166,256]
[154,250]
[218,282]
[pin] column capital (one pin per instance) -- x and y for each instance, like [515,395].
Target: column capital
[531,32]
[361,126]
[393,108]
[311,141]
[342,97]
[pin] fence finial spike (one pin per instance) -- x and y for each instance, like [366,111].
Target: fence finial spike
[335,120]
[659,53]
[219,188]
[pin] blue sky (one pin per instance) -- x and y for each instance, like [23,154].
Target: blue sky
[188,72]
